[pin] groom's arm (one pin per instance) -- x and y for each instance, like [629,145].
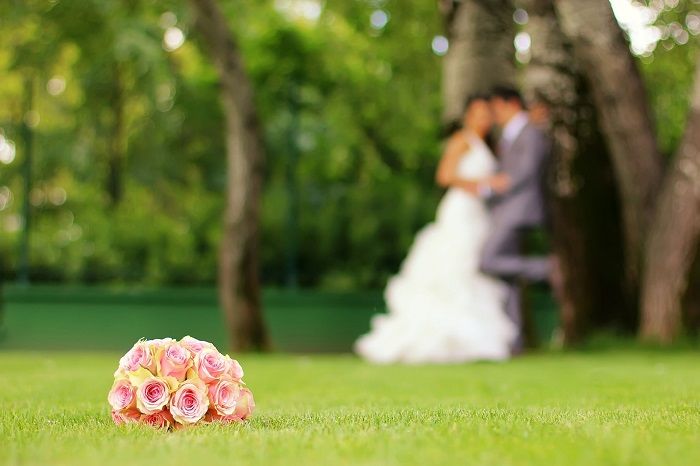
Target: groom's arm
[529,165]
[531,161]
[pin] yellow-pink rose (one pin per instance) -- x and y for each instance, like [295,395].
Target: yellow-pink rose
[125,416]
[173,361]
[161,419]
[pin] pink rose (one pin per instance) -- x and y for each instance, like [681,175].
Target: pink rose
[160,420]
[138,356]
[125,416]
[194,345]
[159,342]
[210,365]
[152,395]
[122,395]
[223,396]
[245,405]
[174,361]
[235,371]
[189,403]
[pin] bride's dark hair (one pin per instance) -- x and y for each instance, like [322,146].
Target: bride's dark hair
[489,138]
[475,98]
[457,124]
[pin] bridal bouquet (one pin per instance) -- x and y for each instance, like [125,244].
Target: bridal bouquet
[170,384]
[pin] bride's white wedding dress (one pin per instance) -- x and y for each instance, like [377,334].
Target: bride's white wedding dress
[441,309]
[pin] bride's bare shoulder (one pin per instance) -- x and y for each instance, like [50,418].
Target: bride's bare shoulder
[458,142]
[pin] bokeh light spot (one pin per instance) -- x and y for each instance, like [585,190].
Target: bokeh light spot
[440,45]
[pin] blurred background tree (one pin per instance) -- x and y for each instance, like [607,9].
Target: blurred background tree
[351,106]
[239,284]
[584,202]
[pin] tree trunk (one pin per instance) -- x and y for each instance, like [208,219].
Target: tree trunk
[674,236]
[582,199]
[691,303]
[239,288]
[551,78]
[481,52]
[621,104]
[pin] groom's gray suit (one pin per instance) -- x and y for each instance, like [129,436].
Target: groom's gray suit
[520,208]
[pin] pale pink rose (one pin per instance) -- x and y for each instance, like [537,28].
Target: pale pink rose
[189,403]
[174,361]
[125,416]
[159,342]
[235,371]
[161,420]
[223,396]
[152,395]
[122,395]
[210,365]
[138,356]
[194,345]
[245,405]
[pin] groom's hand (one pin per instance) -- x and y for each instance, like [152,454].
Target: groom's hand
[500,183]
[470,186]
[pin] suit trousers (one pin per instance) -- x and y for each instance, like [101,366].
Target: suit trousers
[502,257]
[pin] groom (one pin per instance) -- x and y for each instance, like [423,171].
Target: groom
[516,200]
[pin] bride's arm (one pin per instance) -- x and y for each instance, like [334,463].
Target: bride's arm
[446,173]
[493,185]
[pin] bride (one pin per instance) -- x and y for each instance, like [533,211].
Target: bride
[441,309]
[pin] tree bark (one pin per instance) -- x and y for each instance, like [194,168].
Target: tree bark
[691,302]
[583,201]
[626,122]
[239,287]
[674,236]
[551,78]
[481,52]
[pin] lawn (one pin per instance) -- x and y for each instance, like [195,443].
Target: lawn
[636,407]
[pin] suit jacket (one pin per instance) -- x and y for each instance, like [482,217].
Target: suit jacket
[525,160]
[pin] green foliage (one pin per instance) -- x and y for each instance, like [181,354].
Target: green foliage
[351,117]
[669,69]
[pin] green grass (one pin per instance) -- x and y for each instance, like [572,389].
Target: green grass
[636,407]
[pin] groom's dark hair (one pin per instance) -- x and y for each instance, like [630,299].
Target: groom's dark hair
[508,94]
